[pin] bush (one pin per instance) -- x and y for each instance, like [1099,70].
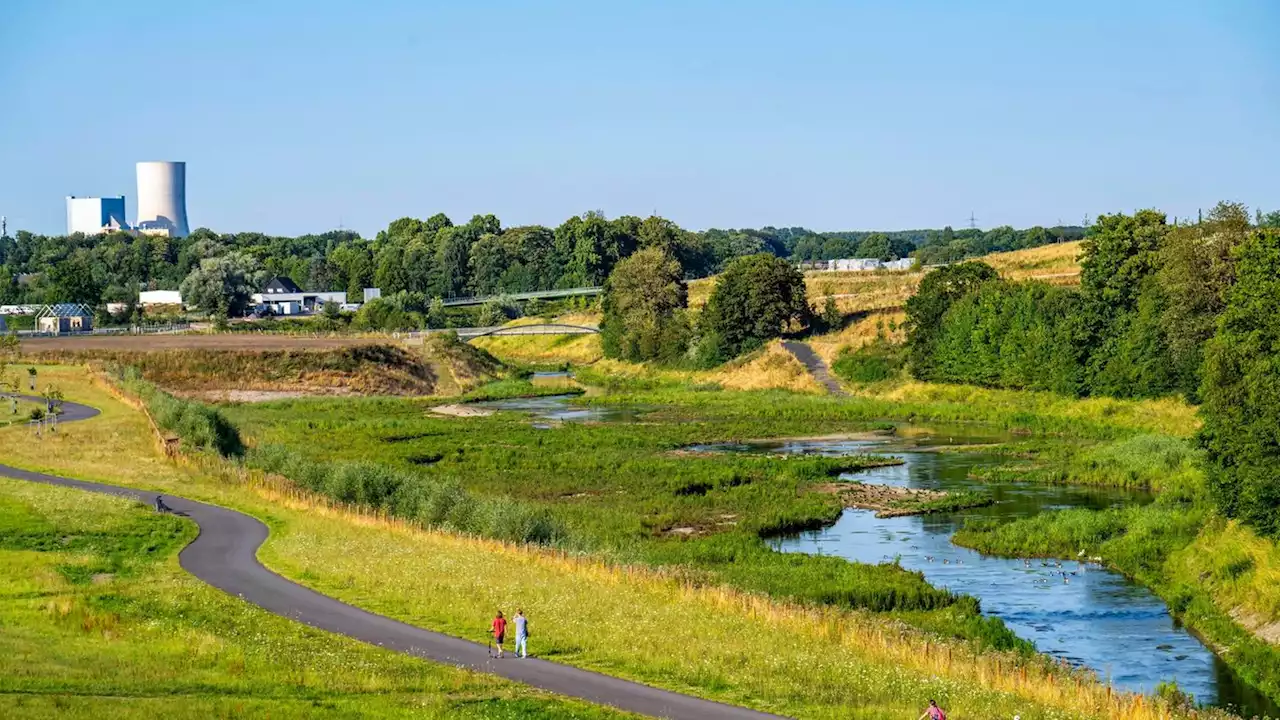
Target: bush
[870,363]
[428,502]
[198,426]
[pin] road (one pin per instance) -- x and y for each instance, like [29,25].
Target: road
[224,555]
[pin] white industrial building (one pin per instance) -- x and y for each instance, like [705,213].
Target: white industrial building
[162,199]
[95,215]
[867,264]
[148,298]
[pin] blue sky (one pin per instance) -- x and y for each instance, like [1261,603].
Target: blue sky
[295,117]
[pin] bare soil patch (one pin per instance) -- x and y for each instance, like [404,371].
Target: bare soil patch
[459,410]
[886,500]
[224,341]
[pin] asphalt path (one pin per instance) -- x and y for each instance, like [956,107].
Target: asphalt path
[224,555]
[815,365]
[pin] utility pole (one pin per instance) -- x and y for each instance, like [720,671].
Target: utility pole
[973,221]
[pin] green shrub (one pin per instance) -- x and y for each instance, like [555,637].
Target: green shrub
[870,363]
[198,426]
[431,502]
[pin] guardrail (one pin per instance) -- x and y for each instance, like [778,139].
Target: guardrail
[472,333]
[535,295]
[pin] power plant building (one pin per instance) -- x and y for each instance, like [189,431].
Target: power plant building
[94,215]
[162,198]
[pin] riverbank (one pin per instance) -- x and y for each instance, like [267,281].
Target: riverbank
[627,620]
[1217,577]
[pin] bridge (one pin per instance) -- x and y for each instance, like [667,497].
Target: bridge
[469,334]
[535,295]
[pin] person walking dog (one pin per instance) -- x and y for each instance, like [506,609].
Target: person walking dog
[499,631]
[522,634]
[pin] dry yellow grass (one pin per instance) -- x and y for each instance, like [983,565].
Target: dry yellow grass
[1057,264]
[772,368]
[886,323]
[862,291]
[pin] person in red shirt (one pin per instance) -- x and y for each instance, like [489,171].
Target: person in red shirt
[499,631]
[933,712]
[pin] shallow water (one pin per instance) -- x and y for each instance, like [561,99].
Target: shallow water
[558,408]
[1090,616]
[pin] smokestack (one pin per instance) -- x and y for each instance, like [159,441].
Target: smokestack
[162,197]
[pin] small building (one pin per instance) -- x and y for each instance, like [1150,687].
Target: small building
[282,296]
[153,298]
[64,318]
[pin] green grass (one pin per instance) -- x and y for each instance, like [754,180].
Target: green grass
[670,627]
[99,621]
[618,489]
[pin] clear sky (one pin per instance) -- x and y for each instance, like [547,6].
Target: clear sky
[294,117]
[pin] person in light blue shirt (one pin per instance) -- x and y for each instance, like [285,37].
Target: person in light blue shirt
[522,634]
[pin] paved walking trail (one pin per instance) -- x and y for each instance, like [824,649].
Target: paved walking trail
[225,556]
[816,366]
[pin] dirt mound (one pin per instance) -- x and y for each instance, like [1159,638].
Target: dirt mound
[439,367]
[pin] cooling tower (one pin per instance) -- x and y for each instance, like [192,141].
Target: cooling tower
[162,197]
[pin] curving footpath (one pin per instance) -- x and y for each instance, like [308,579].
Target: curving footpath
[224,555]
[815,365]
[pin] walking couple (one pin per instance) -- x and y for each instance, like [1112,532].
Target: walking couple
[522,633]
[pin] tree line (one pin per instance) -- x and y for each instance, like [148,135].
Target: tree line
[1162,308]
[438,258]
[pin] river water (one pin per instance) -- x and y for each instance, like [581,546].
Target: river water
[1080,612]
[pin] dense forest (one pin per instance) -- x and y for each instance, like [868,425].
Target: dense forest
[437,258]
[1190,309]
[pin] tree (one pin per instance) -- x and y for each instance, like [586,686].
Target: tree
[925,310]
[453,247]
[490,260]
[72,281]
[1119,253]
[1196,271]
[222,285]
[436,317]
[491,313]
[755,299]
[876,245]
[643,302]
[1241,391]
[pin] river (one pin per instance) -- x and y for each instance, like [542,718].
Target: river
[1089,616]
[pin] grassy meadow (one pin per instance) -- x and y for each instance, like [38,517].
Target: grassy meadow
[100,621]
[667,626]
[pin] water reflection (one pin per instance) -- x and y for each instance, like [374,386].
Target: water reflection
[558,408]
[1074,610]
